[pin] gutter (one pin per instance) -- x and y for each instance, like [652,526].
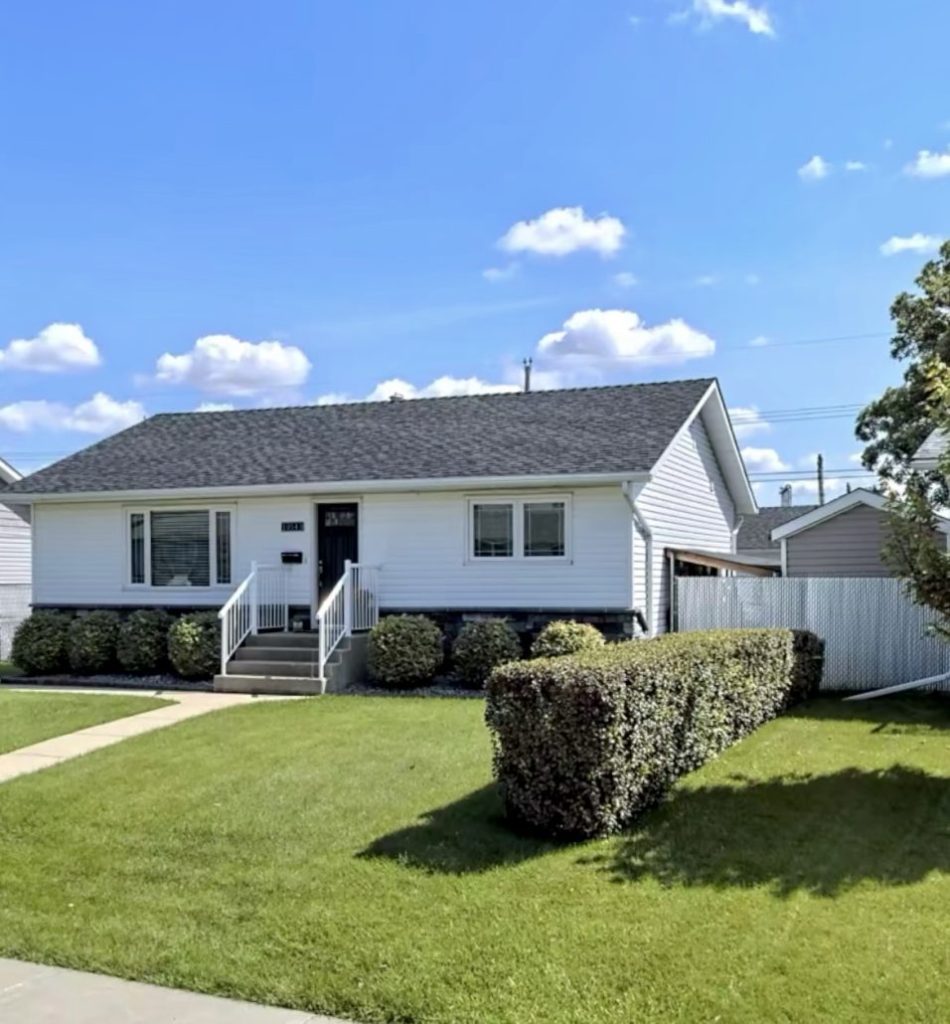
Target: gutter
[631,491]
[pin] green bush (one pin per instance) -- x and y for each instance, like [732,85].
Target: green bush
[404,651]
[91,642]
[560,638]
[194,645]
[481,646]
[142,645]
[39,645]
[583,744]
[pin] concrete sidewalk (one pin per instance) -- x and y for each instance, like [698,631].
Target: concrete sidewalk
[187,704]
[35,994]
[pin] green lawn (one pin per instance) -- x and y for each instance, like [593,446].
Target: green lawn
[7,669]
[347,855]
[29,716]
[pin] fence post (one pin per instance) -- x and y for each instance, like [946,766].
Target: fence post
[347,598]
[253,596]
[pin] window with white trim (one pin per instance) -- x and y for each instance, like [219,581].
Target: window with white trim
[179,547]
[518,528]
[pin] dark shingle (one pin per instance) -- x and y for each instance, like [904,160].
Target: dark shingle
[755,533]
[584,430]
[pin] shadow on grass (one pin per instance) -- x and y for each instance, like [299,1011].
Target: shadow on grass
[821,834]
[897,715]
[464,837]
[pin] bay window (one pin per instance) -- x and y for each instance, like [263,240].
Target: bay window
[507,528]
[179,547]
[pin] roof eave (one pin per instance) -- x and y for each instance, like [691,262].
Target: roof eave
[339,487]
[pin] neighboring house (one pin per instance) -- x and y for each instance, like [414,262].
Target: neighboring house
[15,561]
[533,506]
[928,454]
[754,542]
[843,538]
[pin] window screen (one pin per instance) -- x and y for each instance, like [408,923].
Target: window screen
[544,529]
[493,531]
[137,547]
[181,549]
[223,545]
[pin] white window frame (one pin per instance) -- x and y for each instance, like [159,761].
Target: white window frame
[147,511]
[518,502]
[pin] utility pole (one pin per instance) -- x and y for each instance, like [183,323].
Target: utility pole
[821,480]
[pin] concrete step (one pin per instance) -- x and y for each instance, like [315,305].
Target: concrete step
[308,639]
[288,669]
[258,652]
[289,685]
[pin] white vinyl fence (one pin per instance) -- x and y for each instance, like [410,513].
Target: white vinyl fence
[874,635]
[15,601]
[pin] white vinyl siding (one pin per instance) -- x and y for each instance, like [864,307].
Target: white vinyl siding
[687,505]
[15,547]
[418,539]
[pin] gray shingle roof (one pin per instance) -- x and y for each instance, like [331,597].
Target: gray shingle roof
[755,533]
[584,430]
[934,445]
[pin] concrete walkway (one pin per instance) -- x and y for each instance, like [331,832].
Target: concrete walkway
[35,994]
[84,741]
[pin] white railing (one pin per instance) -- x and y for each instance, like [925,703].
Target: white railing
[259,602]
[351,606]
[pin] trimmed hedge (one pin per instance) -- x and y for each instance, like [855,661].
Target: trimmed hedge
[142,645]
[405,651]
[482,646]
[91,642]
[194,645]
[39,645]
[583,744]
[566,637]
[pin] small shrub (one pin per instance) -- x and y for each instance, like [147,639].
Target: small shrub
[91,642]
[194,645]
[142,645]
[482,646]
[560,638]
[585,743]
[39,646]
[405,651]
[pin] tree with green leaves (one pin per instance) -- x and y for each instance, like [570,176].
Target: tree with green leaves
[896,424]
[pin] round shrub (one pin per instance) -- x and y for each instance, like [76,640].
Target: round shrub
[142,645]
[39,646]
[565,637]
[404,651]
[482,646]
[194,645]
[91,642]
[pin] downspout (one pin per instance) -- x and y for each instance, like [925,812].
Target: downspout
[631,492]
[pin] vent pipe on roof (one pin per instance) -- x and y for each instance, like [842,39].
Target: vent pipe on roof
[527,374]
[785,495]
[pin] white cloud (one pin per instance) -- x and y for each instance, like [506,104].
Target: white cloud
[808,489]
[756,19]
[101,414]
[855,165]
[747,420]
[57,348]
[215,407]
[763,460]
[929,165]
[441,387]
[564,230]
[224,365]
[625,279]
[759,341]
[496,274]
[592,340]
[706,280]
[814,169]
[917,242]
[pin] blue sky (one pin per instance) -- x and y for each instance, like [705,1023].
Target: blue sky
[247,203]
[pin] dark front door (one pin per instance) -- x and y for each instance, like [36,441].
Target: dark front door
[337,541]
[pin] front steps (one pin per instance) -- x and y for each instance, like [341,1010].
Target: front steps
[287,663]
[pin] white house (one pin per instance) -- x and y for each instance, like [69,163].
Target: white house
[14,561]
[533,506]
